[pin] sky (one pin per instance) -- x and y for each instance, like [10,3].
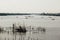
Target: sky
[29,6]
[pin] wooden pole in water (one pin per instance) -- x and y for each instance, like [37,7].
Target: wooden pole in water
[13,28]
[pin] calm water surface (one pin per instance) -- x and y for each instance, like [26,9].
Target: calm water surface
[50,34]
[52,27]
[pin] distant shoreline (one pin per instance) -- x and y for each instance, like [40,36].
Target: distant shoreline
[44,14]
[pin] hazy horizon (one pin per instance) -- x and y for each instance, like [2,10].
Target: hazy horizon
[29,6]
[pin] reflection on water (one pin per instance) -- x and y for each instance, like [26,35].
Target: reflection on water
[50,34]
[21,36]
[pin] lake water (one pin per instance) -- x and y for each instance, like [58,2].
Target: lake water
[51,23]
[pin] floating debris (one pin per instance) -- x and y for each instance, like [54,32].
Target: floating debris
[53,19]
[50,17]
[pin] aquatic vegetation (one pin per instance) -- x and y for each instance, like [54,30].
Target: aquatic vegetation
[20,29]
[41,29]
[1,29]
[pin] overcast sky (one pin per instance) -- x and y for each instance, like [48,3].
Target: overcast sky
[29,6]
